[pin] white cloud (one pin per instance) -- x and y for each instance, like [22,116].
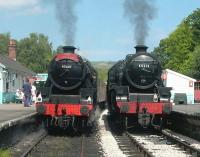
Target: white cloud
[22,7]
[17,4]
[34,10]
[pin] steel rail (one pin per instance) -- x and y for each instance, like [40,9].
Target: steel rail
[182,144]
[169,135]
[28,151]
[82,146]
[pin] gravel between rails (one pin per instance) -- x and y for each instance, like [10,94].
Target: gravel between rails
[108,142]
[59,146]
[159,146]
[68,146]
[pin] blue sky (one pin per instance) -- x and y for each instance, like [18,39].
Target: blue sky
[103,33]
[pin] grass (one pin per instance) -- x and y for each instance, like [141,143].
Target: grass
[5,153]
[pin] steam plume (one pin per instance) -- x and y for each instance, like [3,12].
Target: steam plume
[66,14]
[139,12]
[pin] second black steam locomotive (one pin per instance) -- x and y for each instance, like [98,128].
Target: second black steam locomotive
[135,91]
[70,93]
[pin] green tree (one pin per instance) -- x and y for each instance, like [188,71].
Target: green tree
[4,40]
[59,49]
[102,73]
[195,72]
[193,21]
[177,51]
[35,52]
[161,52]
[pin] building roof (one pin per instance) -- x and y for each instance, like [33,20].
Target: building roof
[180,75]
[15,66]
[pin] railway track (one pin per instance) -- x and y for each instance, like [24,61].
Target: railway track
[29,149]
[64,146]
[129,147]
[131,144]
[139,143]
[181,143]
[163,144]
[90,147]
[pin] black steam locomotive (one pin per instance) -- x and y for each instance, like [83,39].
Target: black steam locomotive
[135,90]
[69,96]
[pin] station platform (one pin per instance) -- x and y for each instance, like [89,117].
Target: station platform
[11,114]
[193,109]
[185,119]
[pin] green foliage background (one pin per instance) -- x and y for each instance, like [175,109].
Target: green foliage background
[180,51]
[34,51]
[102,69]
[4,40]
[5,153]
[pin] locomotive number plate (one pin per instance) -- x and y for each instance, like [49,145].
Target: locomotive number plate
[144,66]
[66,66]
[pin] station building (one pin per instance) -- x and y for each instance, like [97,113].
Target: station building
[197,91]
[182,87]
[12,74]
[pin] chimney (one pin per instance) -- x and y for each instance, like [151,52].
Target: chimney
[141,48]
[69,49]
[12,49]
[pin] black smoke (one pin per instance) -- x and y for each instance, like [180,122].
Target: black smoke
[66,14]
[139,13]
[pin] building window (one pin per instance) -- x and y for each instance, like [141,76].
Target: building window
[197,86]
[7,86]
[13,83]
[13,78]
